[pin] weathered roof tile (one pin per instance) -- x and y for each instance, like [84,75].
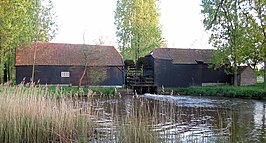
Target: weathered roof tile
[183,56]
[68,54]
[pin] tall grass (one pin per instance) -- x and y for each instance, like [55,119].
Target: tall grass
[135,131]
[137,126]
[115,126]
[32,115]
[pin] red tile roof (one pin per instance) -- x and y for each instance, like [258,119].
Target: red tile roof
[68,54]
[183,56]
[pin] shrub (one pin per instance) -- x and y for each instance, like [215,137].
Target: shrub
[255,92]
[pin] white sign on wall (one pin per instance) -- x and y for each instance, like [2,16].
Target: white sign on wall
[65,74]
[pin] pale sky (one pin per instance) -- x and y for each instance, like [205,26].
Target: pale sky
[181,22]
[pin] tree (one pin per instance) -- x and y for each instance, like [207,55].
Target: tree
[95,74]
[257,18]
[223,19]
[101,40]
[44,26]
[15,18]
[138,30]
[251,15]
[17,26]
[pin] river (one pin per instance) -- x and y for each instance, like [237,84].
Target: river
[183,118]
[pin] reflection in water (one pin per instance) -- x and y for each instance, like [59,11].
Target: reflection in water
[259,119]
[184,118]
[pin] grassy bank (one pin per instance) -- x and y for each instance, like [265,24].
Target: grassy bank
[83,91]
[253,92]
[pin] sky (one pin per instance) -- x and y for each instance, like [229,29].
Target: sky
[180,20]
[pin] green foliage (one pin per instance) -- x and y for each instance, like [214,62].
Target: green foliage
[258,11]
[253,14]
[138,30]
[44,21]
[238,31]
[19,22]
[260,72]
[13,27]
[223,19]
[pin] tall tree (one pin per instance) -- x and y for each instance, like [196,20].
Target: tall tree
[15,19]
[44,26]
[17,26]
[222,18]
[257,20]
[138,30]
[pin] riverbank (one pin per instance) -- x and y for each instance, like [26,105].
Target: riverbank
[87,91]
[251,92]
[82,91]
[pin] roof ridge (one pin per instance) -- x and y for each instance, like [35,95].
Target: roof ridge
[50,43]
[185,49]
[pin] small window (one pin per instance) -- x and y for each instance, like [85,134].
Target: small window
[65,74]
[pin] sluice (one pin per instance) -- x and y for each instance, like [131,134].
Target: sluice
[142,89]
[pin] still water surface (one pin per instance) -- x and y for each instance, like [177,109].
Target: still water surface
[185,118]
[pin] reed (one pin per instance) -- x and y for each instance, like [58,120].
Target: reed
[138,125]
[133,131]
[33,115]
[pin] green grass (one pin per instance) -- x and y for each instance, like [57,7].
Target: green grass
[253,92]
[75,91]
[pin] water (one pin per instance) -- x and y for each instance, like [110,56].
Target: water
[184,118]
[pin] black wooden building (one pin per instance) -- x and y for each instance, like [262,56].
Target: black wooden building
[70,64]
[172,67]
